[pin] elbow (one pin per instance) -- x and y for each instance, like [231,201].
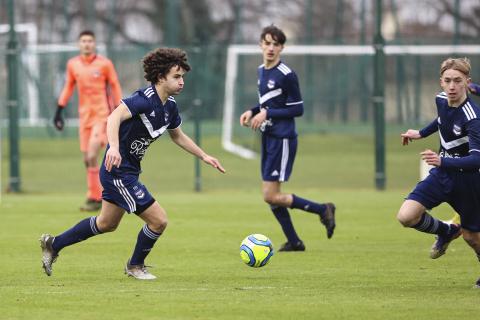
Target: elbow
[299,112]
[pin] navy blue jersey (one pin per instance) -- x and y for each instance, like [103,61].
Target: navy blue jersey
[459,132]
[150,119]
[279,94]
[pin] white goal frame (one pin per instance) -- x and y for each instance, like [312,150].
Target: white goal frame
[234,51]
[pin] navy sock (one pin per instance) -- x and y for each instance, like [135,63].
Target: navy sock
[79,232]
[283,217]
[429,224]
[145,241]
[307,205]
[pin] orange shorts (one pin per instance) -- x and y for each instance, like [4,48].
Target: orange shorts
[96,135]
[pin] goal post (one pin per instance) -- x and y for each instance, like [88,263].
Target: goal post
[235,52]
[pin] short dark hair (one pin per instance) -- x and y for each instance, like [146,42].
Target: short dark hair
[276,33]
[86,33]
[157,63]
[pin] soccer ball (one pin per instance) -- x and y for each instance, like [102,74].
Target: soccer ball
[256,250]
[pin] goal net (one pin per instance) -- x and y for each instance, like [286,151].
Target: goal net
[336,82]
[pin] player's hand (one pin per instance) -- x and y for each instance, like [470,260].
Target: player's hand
[245,118]
[112,159]
[431,158]
[258,119]
[213,162]
[58,119]
[409,136]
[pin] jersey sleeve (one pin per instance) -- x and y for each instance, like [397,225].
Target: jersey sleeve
[112,79]
[255,109]
[137,104]
[294,103]
[176,120]
[474,89]
[67,90]
[429,129]
[472,161]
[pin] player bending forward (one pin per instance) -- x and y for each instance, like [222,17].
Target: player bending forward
[136,123]
[456,177]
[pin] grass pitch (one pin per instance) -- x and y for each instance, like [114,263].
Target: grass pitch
[371,269]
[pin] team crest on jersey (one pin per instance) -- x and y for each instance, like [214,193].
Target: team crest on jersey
[166,116]
[96,74]
[457,130]
[270,84]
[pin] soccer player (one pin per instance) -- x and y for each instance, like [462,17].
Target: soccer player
[135,124]
[279,103]
[455,178]
[96,79]
[434,253]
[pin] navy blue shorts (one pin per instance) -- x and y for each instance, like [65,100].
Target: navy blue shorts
[125,191]
[278,156]
[461,190]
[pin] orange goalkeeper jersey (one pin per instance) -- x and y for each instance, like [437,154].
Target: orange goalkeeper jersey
[94,76]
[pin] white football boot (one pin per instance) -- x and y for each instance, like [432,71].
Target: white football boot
[139,272]
[49,256]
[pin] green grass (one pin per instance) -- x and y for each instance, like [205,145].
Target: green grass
[371,269]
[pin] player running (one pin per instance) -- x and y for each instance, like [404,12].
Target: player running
[135,124]
[95,77]
[456,177]
[437,251]
[279,103]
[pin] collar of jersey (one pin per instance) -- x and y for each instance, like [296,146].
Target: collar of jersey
[88,59]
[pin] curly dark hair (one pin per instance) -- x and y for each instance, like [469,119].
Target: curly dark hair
[157,63]
[276,33]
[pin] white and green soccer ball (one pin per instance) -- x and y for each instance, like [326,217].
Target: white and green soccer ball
[256,250]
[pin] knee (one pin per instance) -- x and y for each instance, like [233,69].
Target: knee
[270,199]
[90,160]
[405,219]
[106,226]
[159,225]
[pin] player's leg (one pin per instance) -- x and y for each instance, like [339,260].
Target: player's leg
[466,202]
[281,156]
[155,219]
[107,221]
[434,252]
[273,196]
[413,214]
[473,240]
[428,194]
[95,139]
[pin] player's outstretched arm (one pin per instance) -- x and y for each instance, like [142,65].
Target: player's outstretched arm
[410,135]
[184,141]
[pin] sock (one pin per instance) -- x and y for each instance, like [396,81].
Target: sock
[283,217]
[145,241]
[429,224]
[93,184]
[307,205]
[79,232]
